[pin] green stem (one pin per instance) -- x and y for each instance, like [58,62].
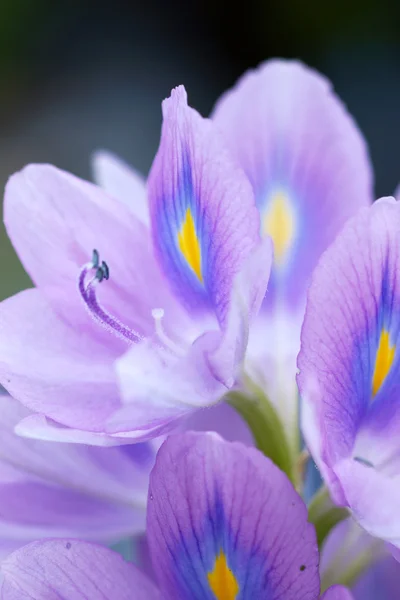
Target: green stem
[266,427]
[324,514]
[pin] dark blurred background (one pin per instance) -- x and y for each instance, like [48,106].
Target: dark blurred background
[76,76]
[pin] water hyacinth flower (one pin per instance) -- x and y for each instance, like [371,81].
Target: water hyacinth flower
[73,490]
[169,311]
[309,168]
[349,371]
[235,531]
[186,296]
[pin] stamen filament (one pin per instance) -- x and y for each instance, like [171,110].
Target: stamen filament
[87,291]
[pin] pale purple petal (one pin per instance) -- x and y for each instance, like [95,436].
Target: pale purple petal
[30,510]
[223,419]
[61,373]
[72,570]
[374,498]
[39,427]
[53,368]
[122,182]
[249,288]
[307,162]
[314,434]
[49,490]
[220,507]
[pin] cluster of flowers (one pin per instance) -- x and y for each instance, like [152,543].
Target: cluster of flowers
[177,333]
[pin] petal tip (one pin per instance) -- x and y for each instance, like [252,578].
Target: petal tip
[177,98]
[387,200]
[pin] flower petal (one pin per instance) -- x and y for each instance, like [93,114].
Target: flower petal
[121,182]
[202,208]
[32,510]
[395,552]
[307,162]
[313,434]
[49,490]
[222,516]
[350,359]
[51,367]
[71,569]
[39,427]
[61,373]
[55,220]
[122,473]
[223,419]
[373,497]
[337,592]
[159,387]
[248,291]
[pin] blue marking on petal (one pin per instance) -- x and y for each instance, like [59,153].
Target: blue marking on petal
[196,554]
[174,216]
[379,336]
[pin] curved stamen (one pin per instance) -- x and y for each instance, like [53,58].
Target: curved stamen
[87,290]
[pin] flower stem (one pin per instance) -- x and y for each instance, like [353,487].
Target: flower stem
[266,427]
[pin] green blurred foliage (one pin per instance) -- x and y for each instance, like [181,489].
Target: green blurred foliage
[29,33]
[28,28]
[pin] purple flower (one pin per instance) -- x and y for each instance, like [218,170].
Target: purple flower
[73,490]
[310,171]
[349,368]
[175,313]
[167,315]
[224,523]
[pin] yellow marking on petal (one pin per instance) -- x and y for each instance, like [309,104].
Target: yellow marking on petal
[222,581]
[279,223]
[383,361]
[189,244]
